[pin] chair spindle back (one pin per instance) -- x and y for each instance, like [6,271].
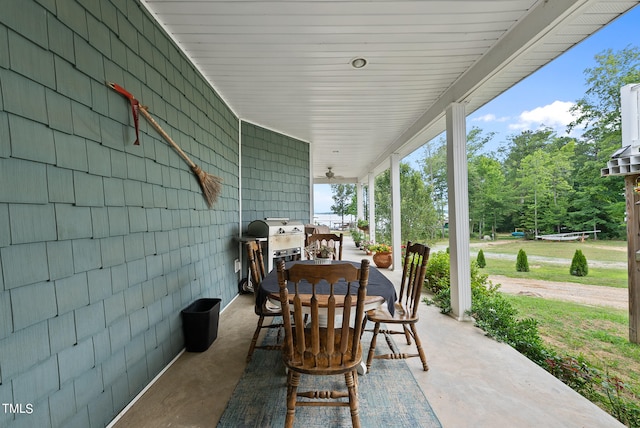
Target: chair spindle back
[413,273]
[255,261]
[329,239]
[322,343]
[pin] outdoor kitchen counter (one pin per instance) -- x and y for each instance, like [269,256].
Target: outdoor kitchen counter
[379,285]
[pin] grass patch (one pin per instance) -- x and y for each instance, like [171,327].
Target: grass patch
[598,334]
[606,251]
[610,277]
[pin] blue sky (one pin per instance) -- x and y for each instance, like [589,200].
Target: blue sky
[544,98]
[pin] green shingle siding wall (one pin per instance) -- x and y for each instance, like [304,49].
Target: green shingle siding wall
[5,147]
[102,243]
[275,176]
[33,303]
[5,225]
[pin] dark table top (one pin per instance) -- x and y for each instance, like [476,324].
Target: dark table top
[379,285]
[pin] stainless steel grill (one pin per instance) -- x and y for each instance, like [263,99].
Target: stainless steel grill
[285,239]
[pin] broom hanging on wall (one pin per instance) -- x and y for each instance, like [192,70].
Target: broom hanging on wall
[210,184]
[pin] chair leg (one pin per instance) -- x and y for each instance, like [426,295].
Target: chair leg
[254,340]
[292,388]
[416,338]
[364,326]
[350,380]
[407,335]
[372,347]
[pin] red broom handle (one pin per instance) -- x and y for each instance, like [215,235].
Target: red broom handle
[135,107]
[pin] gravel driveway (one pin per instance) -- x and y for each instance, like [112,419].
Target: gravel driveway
[568,291]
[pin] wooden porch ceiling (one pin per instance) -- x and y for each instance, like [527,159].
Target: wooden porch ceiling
[286,65]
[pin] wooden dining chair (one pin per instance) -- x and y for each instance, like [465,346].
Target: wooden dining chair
[263,310]
[328,239]
[406,308]
[325,345]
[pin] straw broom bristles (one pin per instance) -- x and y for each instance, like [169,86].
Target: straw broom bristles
[210,184]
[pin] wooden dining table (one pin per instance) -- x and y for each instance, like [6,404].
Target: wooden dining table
[379,286]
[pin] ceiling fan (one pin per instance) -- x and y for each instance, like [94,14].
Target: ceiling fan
[330,174]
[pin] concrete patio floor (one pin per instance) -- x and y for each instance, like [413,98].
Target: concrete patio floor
[473,380]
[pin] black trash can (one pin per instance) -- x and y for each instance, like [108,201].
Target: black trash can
[200,324]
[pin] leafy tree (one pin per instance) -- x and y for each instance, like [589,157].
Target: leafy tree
[482,180]
[561,184]
[343,197]
[521,145]
[476,141]
[365,202]
[382,200]
[533,183]
[599,110]
[521,180]
[599,203]
[434,170]
[543,183]
[488,194]
[522,264]
[418,216]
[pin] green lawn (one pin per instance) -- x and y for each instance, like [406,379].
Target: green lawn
[606,251]
[612,277]
[600,334]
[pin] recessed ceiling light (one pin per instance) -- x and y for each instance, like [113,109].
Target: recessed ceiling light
[358,62]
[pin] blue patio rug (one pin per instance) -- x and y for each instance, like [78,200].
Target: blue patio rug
[389,396]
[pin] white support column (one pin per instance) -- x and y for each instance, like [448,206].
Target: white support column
[312,208]
[457,183]
[359,201]
[241,252]
[395,211]
[372,207]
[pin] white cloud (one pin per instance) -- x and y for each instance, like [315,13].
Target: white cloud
[490,118]
[485,118]
[556,115]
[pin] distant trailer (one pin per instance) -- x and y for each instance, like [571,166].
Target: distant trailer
[570,236]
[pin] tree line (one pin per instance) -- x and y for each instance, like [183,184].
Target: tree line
[537,181]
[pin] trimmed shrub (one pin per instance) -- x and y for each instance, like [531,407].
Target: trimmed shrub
[437,273]
[438,280]
[522,264]
[579,264]
[480,260]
